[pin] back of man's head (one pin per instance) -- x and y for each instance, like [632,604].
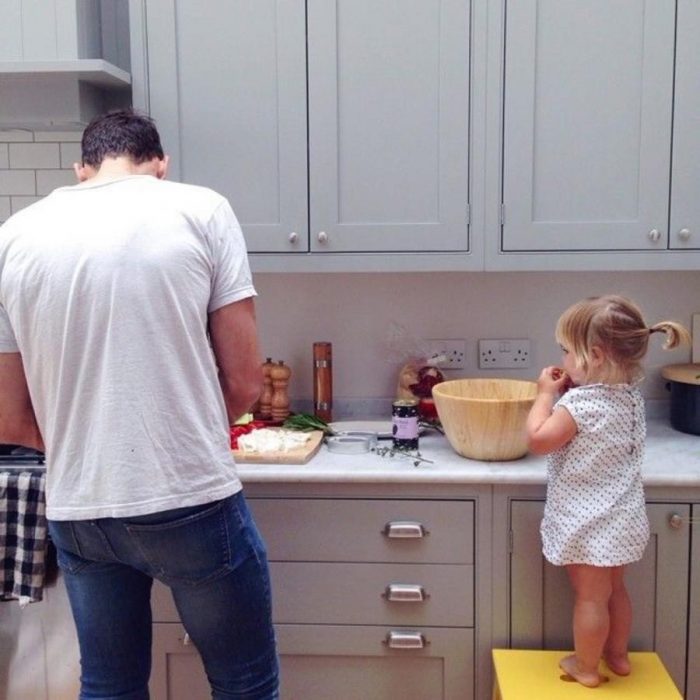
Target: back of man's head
[122,132]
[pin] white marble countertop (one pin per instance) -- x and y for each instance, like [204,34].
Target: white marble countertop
[672,459]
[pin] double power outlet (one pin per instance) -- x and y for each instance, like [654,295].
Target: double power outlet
[506,353]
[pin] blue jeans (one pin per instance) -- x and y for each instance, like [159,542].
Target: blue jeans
[215,563]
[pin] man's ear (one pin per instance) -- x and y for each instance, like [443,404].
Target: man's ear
[83,172]
[162,167]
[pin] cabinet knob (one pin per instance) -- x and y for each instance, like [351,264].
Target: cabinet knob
[293,237]
[404,529]
[654,235]
[405,593]
[684,234]
[322,237]
[186,641]
[400,639]
[675,521]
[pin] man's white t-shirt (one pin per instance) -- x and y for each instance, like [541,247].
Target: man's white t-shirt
[105,290]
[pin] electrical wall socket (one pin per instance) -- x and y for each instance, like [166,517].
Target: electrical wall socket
[453,350]
[504,353]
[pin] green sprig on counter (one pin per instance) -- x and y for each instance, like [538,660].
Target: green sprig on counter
[397,451]
[305,423]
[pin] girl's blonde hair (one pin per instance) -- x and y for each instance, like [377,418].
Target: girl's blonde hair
[615,325]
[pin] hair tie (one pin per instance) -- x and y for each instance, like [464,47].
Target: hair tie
[655,330]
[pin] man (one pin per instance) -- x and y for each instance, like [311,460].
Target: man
[113,295]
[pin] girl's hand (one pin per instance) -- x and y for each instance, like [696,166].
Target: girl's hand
[553,380]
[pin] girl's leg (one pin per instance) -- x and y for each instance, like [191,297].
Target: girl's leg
[592,588]
[620,610]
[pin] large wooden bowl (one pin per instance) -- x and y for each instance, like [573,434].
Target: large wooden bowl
[485,418]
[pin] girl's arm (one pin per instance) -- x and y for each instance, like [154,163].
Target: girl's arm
[548,430]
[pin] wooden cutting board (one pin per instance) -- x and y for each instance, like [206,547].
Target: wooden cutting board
[299,455]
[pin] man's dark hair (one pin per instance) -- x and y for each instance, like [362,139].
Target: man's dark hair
[122,132]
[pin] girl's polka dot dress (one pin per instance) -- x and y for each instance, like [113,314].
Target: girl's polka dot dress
[595,512]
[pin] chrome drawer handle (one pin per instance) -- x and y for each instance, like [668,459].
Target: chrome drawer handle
[404,529]
[405,593]
[405,640]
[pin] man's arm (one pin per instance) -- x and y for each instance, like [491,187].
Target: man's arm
[18,424]
[234,339]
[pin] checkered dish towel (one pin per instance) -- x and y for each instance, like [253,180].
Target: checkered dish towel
[23,536]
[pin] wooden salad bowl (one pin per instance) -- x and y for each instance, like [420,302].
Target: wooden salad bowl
[485,419]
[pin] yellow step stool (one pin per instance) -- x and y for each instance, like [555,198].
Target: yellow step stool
[535,675]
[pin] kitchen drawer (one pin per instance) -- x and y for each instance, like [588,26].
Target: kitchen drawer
[331,661]
[356,594]
[356,530]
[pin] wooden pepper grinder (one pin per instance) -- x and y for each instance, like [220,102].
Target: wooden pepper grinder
[280,374]
[266,393]
[323,381]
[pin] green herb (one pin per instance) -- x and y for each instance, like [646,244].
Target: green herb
[305,423]
[399,452]
[431,424]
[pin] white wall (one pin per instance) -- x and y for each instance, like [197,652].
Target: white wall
[354,311]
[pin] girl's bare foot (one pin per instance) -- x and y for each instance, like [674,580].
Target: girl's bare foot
[570,665]
[619,664]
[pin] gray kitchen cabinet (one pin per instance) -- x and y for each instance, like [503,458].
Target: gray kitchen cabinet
[385,86]
[684,230]
[389,125]
[693,686]
[321,662]
[227,88]
[372,598]
[541,602]
[587,121]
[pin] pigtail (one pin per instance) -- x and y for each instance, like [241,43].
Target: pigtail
[676,334]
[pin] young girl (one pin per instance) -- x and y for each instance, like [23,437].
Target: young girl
[589,418]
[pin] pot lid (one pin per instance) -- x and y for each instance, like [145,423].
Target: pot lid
[685,374]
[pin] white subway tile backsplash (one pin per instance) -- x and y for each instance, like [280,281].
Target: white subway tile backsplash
[17,182]
[70,153]
[16,135]
[58,135]
[17,203]
[34,155]
[5,210]
[49,180]
[4,158]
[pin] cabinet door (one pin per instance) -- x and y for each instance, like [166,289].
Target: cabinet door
[541,602]
[587,124]
[339,662]
[227,86]
[685,203]
[389,124]
[693,689]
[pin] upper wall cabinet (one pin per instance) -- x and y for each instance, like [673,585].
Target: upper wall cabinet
[227,84]
[388,125]
[587,124]
[684,231]
[358,143]
[600,144]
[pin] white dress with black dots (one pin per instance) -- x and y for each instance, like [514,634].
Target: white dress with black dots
[595,512]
